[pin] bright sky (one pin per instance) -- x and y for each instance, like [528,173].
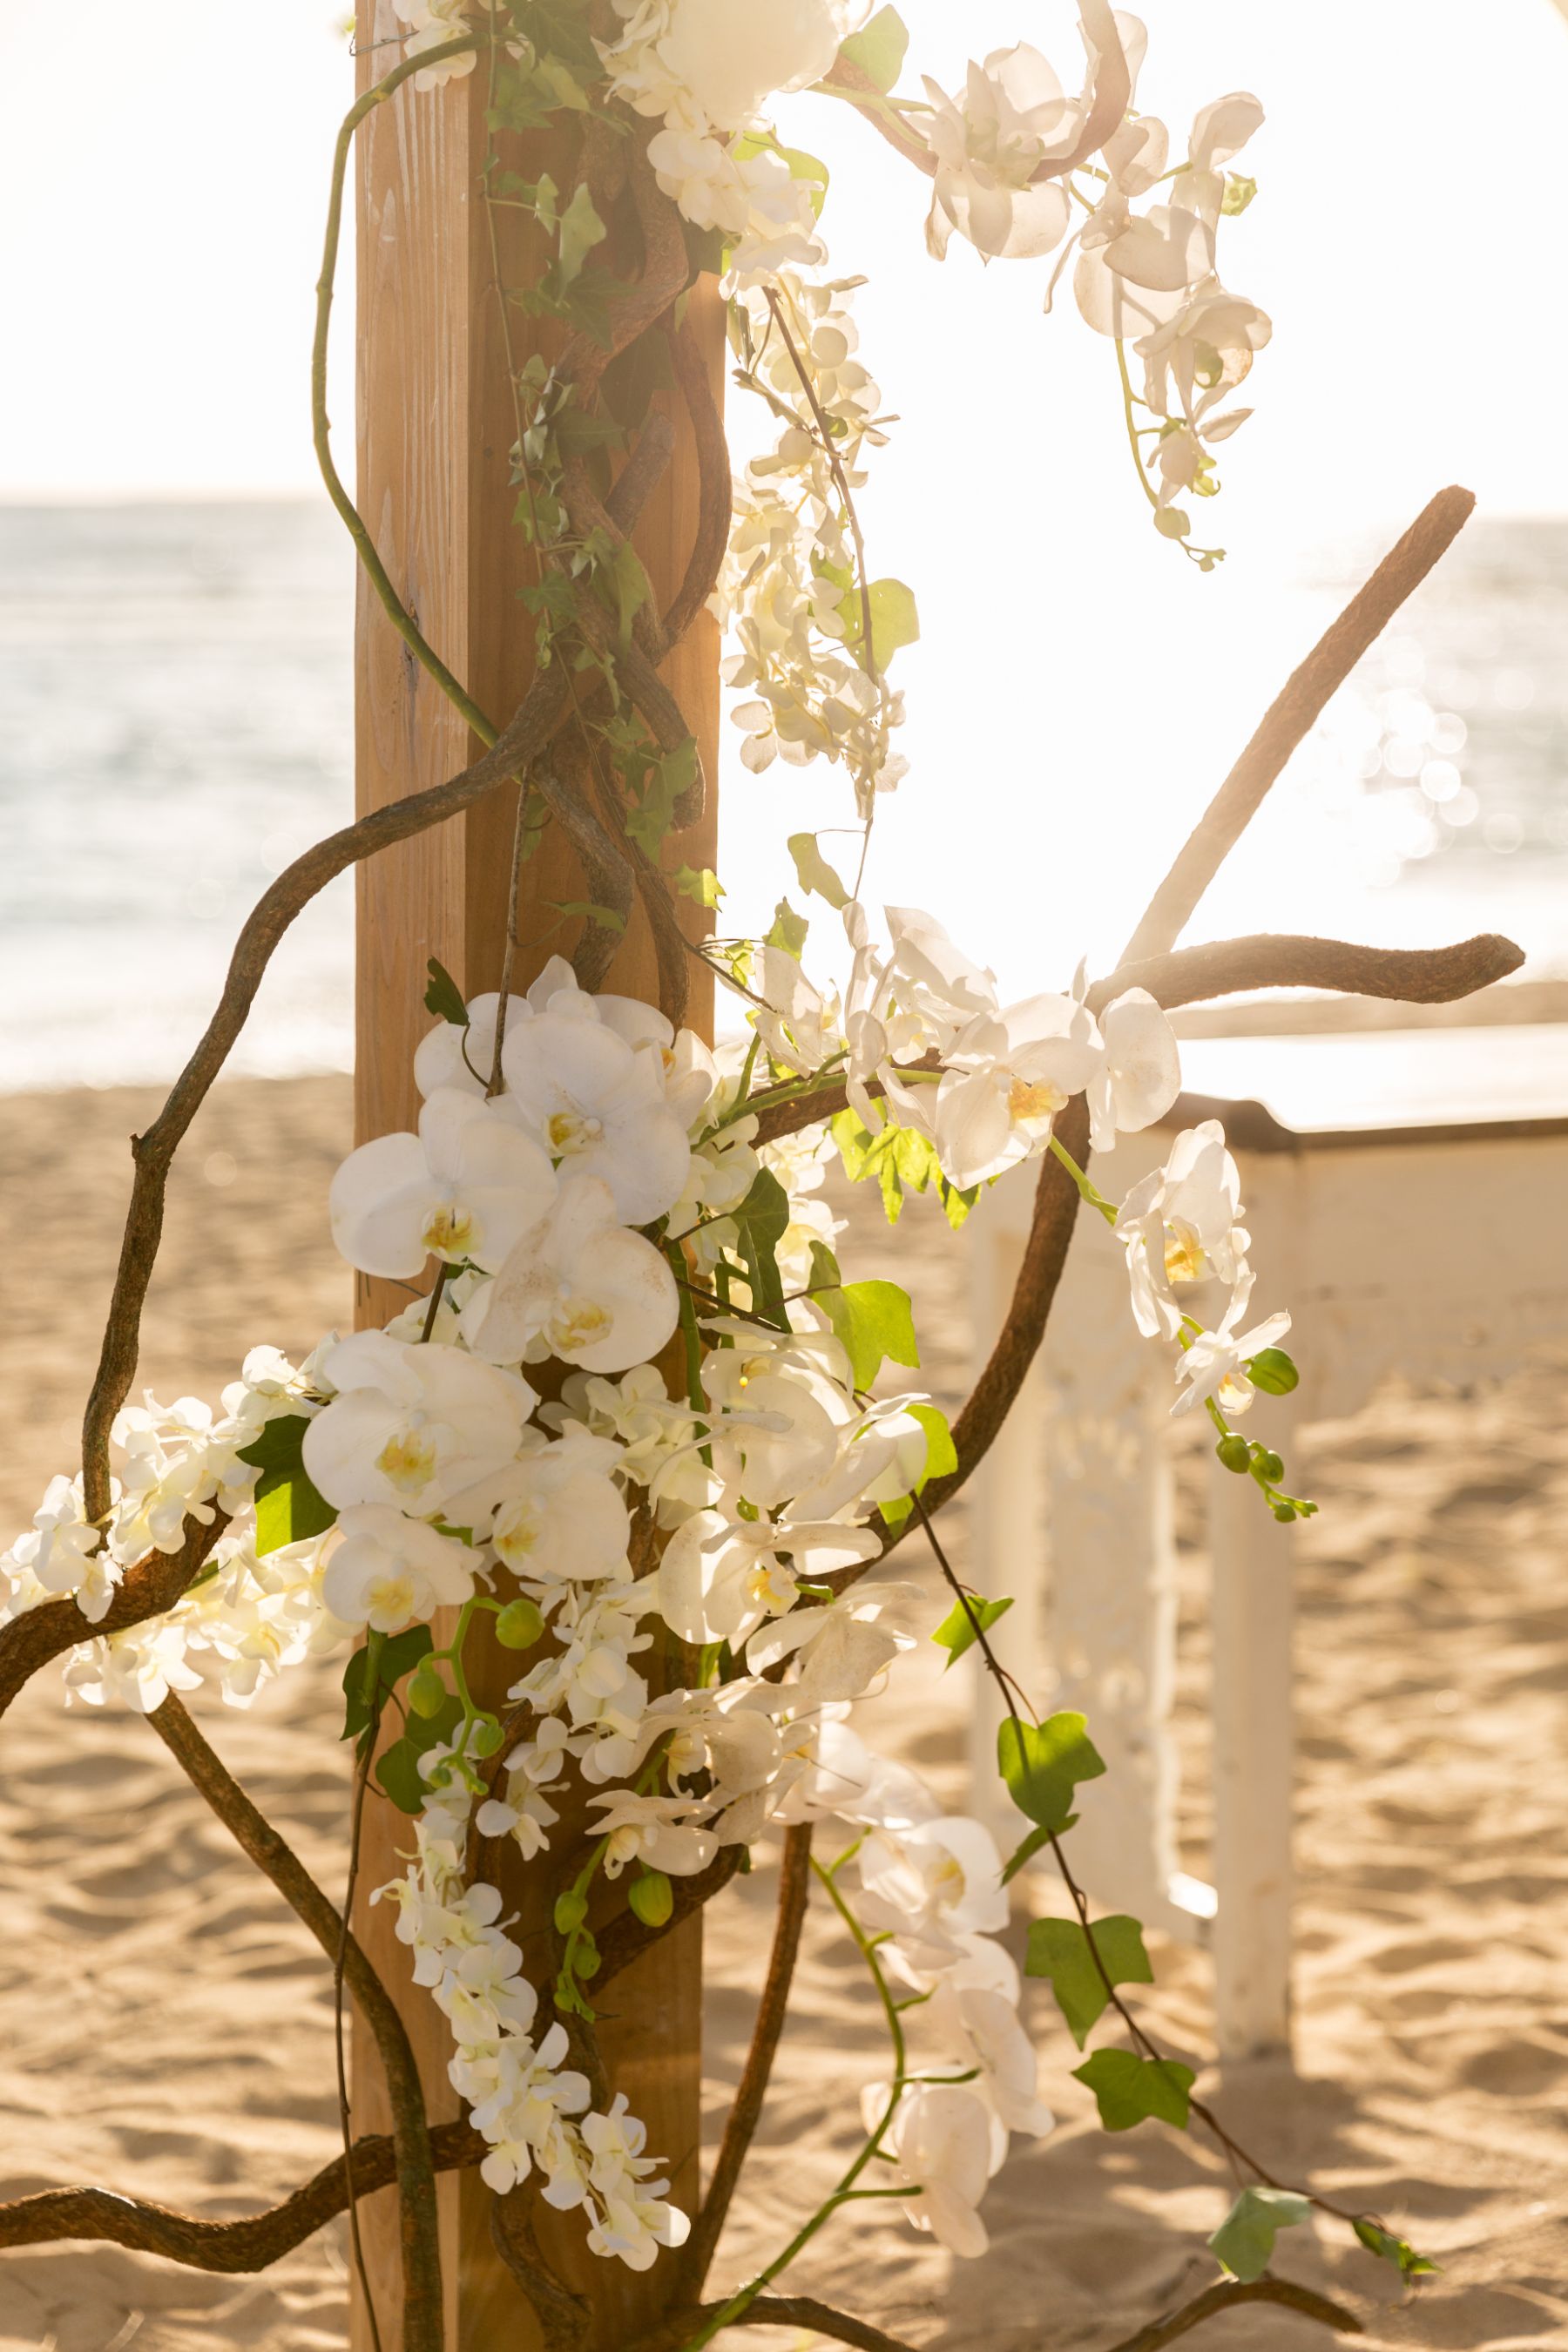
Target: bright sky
[162,200]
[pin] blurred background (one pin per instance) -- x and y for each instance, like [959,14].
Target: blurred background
[175,598]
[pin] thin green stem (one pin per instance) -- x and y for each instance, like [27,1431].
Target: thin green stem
[396,611]
[1090,1191]
[1149,490]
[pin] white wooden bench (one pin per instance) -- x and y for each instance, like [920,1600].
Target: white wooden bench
[1408,1202]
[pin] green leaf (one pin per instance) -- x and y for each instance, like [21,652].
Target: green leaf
[894,619]
[374,1673]
[1042,1764]
[631,590]
[789,930]
[1390,2249]
[801,167]
[287,1506]
[1244,2241]
[956,1632]
[1273,1372]
[444,998]
[1060,1949]
[397,1766]
[1024,1853]
[1128,2088]
[872,1320]
[700,883]
[879,48]
[760,1223]
[605,919]
[815,872]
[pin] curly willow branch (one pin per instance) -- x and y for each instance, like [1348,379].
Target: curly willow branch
[147,1589]
[254,2242]
[773,2311]
[273,1856]
[1224,2295]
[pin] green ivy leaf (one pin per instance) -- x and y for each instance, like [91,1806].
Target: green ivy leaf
[813,870]
[871,1320]
[397,1766]
[604,919]
[942,1457]
[956,1632]
[287,1506]
[1390,2249]
[1042,1764]
[1059,1950]
[1024,1853]
[1244,2243]
[374,1673]
[444,998]
[760,1223]
[700,883]
[879,48]
[895,622]
[789,930]
[1129,2089]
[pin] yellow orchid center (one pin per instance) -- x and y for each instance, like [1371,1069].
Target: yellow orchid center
[577,1323]
[1186,1260]
[516,1534]
[450,1231]
[1040,1100]
[570,1132]
[407,1460]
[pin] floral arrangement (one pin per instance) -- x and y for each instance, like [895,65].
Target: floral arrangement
[632,1425]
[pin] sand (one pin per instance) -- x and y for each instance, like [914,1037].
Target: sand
[165,2027]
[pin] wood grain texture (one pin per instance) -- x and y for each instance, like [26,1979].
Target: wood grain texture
[435,432]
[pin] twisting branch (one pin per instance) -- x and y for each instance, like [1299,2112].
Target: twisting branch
[147,1589]
[715,489]
[1224,2295]
[1294,711]
[254,2243]
[564,2316]
[773,2311]
[272,1855]
[794,1890]
[1287,959]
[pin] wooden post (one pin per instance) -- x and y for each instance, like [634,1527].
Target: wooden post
[435,432]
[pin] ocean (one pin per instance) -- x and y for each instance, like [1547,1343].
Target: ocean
[175,726]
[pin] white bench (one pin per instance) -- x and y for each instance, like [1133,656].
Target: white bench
[1408,1203]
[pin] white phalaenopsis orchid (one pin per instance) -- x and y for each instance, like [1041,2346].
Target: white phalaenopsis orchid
[1212,1367]
[464,1189]
[556,1511]
[1181,1226]
[596,1105]
[579,1287]
[1007,1076]
[412,1426]
[1013,117]
[386,1569]
[721,1577]
[948,2145]
[1139,1075]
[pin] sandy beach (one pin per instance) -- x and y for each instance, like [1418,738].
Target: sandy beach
[165,2026]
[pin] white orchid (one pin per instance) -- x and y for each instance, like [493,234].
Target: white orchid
[732,56]
[556,1511]
[947,2144]
[597,1105]
[720,1577]
[579,1287]
[386,1569]
[1214,1366]
[1181,1226]
[1014,116]
[464,1189]
[412,1426]
[1139,1075]
[665,1832]
[932,1885]
[1008,1077]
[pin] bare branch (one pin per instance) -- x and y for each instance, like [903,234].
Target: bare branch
[1288,960]
[1224,2295]
[1289,716]
[272,1855]
[773,2311]
[147,1589]
[715,489]
[794,1890]
[252,2243]
[564,2316]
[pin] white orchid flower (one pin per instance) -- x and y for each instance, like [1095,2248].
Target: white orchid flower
[1182,1225]
[663,1831]
[932,1885]
[947,2144]
[596,1105]
[412,1426]
[579,1287]
[732,56]
[979,2026]
[556,1511]
[386,1569]
[1008,1077]
[802,1026]
[467,1187]
[1215,1365]
[720,1577]
[1138,1075]
[1013,117]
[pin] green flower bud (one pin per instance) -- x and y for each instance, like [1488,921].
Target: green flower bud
[1171,523]
[520,1625]
[652,1898]
[585,1956]
[571,1910]
[1283,1510]
[1273,1372]
[1235,1453]
[427,1694]
[485,1737]
[1266,1467]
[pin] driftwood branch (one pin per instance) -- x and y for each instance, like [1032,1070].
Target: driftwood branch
[1288,960]
[254,2243]
[1289,718]
[273,1856]
[773,2311]
[795,1890]
[1224,2295]
[147,1589]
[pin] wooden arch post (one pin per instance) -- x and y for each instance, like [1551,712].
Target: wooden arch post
[435,432]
